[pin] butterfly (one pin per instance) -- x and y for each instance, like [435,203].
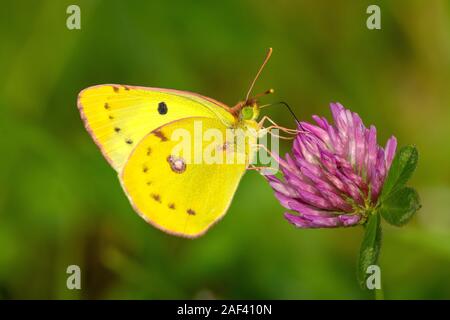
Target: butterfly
[134,128]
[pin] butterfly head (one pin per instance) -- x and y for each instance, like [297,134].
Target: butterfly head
[250,109]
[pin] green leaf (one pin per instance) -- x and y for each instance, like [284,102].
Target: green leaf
[370,248]
[399,207]
[402,168]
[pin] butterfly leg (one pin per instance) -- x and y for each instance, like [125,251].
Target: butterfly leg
[275,125]
[266,168]
[270,131]
[290,132]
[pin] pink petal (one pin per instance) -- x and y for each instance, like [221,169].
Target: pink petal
[390,148]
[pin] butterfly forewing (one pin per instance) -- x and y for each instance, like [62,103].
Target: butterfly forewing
[118,117]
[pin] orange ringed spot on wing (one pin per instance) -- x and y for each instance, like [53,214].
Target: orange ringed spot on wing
[178,165]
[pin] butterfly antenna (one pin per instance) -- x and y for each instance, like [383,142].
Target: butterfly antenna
[284,104]
[269,53]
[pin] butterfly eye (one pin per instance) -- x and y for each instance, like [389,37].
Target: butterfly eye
[247,113]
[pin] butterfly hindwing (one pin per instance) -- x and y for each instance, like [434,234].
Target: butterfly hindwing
[118,117]
[169,189]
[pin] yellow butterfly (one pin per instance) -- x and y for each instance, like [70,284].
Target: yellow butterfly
[134,127]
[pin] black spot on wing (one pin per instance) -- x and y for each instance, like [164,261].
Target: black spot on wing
[162,107]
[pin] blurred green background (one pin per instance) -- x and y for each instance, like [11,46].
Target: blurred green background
[61,203]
